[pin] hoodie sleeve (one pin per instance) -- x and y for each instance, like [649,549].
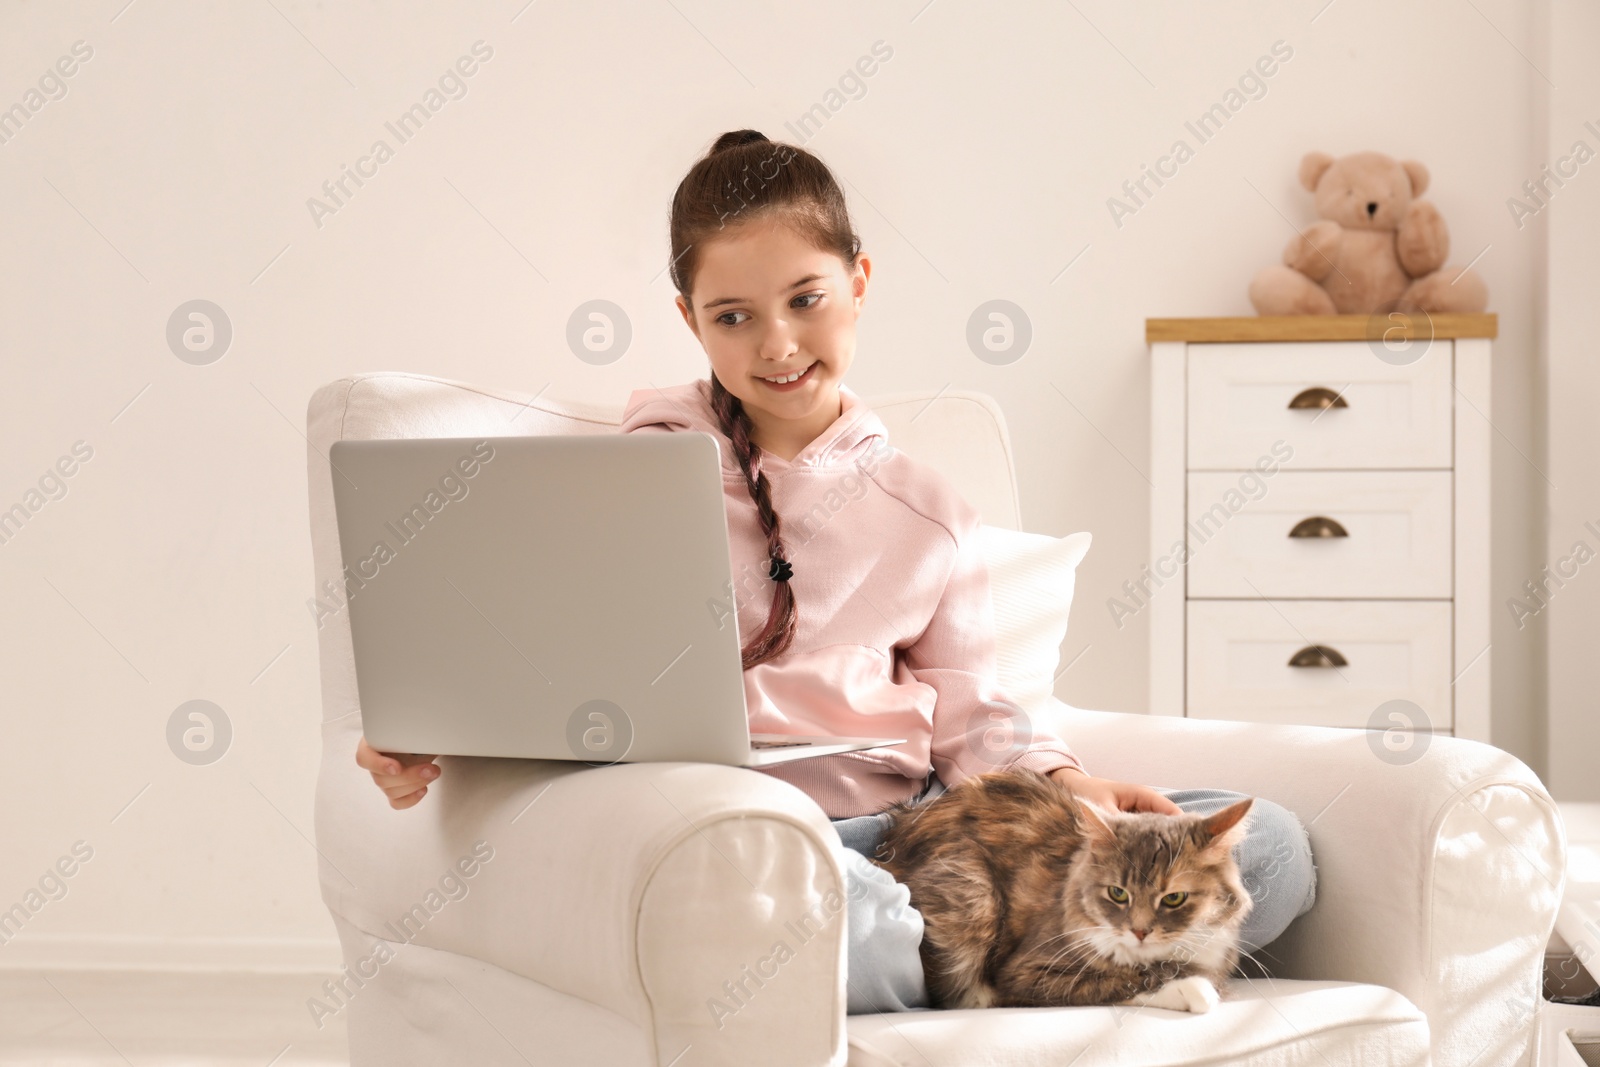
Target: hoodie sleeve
[667,409]
[976,727]
[649,411]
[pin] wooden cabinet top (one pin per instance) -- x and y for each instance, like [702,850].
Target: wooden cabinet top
[1322,327]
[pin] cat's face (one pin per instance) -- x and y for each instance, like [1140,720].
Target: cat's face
[1156,887]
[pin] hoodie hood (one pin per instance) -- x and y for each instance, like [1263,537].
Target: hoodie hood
[856,431]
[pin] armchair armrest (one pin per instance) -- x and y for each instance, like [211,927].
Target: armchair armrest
[700,902]
[1439,878]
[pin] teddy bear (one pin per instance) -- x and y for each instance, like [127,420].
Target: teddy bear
[1374,249]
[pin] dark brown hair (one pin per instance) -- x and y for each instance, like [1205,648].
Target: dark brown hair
[746,178]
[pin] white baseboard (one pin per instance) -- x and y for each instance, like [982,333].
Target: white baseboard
[110,952]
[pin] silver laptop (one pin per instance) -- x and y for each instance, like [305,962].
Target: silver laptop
[551,597]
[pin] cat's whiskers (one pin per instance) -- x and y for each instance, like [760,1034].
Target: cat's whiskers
[1070,970]
[1251,956]
[1066,933]
[1080,945]
[1086,945]
[1070,980]
[1074,944]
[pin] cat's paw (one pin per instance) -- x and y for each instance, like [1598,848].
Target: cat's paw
[1195,993]
[1192,994]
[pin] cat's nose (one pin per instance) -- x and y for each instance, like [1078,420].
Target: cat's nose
[1140,934]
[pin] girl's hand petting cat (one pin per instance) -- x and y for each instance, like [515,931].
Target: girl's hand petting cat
[402,776]
[1115,796]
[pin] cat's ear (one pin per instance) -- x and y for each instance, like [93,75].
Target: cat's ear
[1094,824]
[1226,828]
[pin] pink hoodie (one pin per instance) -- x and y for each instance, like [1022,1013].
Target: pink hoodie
[895,630]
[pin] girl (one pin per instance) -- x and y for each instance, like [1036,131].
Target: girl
[857,568]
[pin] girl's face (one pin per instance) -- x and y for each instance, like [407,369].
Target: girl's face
[765,304]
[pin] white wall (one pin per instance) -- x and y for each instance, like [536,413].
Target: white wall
[978,163]
[1571,586]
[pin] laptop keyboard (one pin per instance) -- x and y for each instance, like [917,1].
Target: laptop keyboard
[777,744]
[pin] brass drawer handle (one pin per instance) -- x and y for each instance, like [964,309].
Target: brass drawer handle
[1319,526]
[1318,397]
[1318,656]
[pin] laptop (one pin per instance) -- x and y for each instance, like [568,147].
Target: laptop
[549,597]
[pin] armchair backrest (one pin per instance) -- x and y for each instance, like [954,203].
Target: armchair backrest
[959,433]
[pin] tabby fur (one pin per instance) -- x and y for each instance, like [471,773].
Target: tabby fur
[1012,874]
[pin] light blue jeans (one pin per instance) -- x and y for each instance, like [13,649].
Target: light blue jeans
[884,965]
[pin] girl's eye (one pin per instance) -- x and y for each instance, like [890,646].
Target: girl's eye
[1118,894]
[1172,900]
[802,296]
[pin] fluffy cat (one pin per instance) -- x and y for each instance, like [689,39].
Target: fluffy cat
[1030,897]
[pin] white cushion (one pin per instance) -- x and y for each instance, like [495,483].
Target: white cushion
[1261,1023]
[1031,579]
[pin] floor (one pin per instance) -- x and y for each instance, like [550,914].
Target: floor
[117,1019]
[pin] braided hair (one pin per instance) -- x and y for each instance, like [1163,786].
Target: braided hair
[745,178]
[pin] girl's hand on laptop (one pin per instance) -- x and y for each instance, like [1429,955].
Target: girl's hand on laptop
[403,776]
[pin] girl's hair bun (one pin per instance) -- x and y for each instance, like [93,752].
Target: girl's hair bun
[737,137]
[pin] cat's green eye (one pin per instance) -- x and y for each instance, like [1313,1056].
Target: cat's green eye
[1117,894]
[1172,900]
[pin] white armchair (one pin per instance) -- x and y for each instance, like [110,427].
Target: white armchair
[545,912]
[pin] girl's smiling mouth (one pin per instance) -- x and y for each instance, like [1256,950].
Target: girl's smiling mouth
[797,383]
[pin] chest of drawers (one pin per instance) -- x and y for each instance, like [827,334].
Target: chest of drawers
[1319,521]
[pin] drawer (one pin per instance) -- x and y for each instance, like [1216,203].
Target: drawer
[1237,661]
[1577,1043]
[1239,398]
[1392,534]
